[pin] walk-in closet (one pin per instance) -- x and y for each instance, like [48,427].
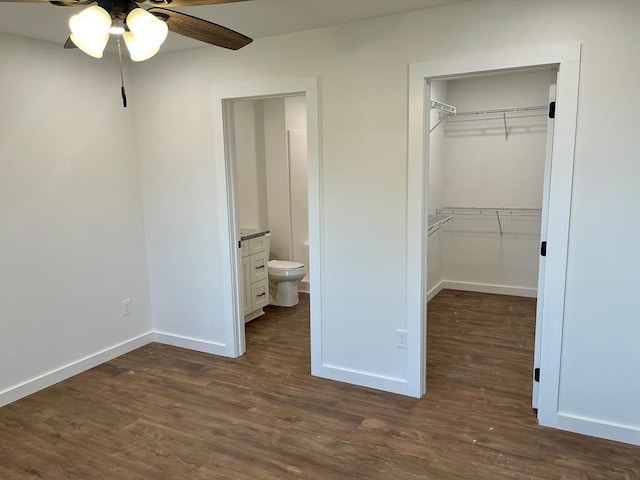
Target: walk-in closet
[488,150]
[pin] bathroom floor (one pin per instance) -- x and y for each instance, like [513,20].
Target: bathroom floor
[167,413]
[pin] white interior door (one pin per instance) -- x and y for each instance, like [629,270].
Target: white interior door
[543,238]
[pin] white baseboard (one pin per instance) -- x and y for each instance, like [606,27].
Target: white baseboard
[595,428]
[489,288]
[196,344]
[59,374]
[363,379]
[435,290]
[304,286]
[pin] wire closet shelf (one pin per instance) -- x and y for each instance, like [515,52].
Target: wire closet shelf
[491,220]
[450,114]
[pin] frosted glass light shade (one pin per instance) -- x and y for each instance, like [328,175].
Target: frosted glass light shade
[90,30]
[147,27]
[139,50]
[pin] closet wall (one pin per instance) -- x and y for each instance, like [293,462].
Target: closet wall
[436,184]
[477,164]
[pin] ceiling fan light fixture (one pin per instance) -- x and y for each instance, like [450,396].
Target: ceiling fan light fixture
[90,30]
[139,49]
[147,27]
[116,30]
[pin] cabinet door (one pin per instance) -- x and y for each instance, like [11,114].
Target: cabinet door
[244,248]
[259,267]
[259,294]
[246,285]
[259,245]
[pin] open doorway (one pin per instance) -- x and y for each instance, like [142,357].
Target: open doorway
[269,153]
[489,165]
[566,60]
[255,97]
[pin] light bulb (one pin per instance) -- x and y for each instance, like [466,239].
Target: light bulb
[139,50]
[90,30]
[147,27]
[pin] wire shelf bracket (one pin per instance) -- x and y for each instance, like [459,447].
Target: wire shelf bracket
[445,112]
[437,221]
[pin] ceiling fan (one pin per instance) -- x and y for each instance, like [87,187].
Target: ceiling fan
[143,30]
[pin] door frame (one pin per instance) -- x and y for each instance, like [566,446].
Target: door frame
[223,96]
[566,58]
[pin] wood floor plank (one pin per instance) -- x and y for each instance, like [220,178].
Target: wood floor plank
[162,412]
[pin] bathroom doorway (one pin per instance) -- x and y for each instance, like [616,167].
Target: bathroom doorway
[269,152]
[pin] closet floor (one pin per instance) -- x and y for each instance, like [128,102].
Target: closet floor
[162,412]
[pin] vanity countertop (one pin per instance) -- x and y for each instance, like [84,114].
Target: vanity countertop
[246,234]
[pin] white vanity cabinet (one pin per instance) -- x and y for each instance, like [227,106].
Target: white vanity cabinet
[255,275]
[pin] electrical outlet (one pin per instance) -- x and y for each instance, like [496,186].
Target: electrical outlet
[126,307]
[401,338]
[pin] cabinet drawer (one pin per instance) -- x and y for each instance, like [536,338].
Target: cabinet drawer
[259,245]
[259,267]
[244,248]
[259,294]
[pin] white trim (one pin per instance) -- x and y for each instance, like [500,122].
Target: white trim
[567,59]
[435,290]
[221,95]
[363,379]
[490,288]
[196,344]
[597,428]
[74,368]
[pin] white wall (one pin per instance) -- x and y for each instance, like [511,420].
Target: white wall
[363,70]
[437,161]
[278,187]
[296,122]
[483,169]
[250,164]
[71,236]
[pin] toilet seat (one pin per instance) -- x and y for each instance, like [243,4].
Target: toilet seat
[281,268]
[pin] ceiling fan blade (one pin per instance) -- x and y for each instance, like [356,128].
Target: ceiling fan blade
[186,3]
[69,44]
[200,29]
[69,3]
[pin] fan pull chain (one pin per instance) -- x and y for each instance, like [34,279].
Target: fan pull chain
[122,91]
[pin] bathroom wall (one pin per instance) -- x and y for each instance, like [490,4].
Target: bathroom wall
[296,124]
[286,174]
[483,169]
[250,164]
[277,177]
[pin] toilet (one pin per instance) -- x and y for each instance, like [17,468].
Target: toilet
[284,278]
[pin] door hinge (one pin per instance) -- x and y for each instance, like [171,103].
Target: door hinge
[552,110]
[239,244]
[536,374]
[543,249]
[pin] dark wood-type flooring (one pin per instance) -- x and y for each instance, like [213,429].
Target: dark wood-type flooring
[165,413]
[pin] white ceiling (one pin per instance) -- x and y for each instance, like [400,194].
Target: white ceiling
[256,18]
